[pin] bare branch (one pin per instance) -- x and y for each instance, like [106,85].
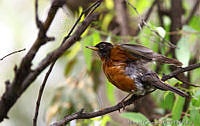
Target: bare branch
[95,5]
[148,14]
[180,70]
[82,115]
[14,90]
[12,53]
[40,94]
[155,32]
[188,83]
[194,9]
[122,17]
[39,23]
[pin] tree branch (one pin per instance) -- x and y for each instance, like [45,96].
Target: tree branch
[180,70]
[12,53]
[14,90]
[24,76]
[148,14]
[122,17]
[152,30]
[82,115]
[94,6]
[194,9]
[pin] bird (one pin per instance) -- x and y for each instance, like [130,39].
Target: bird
[125,66]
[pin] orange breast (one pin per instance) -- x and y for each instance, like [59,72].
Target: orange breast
[114,69]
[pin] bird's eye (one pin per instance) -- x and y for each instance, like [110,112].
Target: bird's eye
[102,46]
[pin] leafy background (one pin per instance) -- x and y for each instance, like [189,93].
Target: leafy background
[77,80]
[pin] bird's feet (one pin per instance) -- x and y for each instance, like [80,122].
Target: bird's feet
[122,101]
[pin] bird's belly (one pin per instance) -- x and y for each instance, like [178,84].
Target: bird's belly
[116,75]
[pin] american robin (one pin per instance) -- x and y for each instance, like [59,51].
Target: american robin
[125,67]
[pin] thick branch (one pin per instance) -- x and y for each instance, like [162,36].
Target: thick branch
[16,88]
[82,115]
[122,17]
[93,7]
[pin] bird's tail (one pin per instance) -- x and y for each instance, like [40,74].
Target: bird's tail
[154,80]
[173,89]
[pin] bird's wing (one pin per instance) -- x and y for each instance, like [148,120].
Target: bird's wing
[138,50]
[148,54]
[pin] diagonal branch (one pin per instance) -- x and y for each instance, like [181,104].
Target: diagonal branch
[194,9]
[82,115]
[95,5]
[11,95]
[180,70]
[14,90]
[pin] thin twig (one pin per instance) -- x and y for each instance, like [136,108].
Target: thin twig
[188,83]
[146,17]
[194,9]
[155,32]
[12,53]
[37,20]
[40,94]
[180,70]
[95,5]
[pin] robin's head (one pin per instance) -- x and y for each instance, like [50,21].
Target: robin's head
[103,49]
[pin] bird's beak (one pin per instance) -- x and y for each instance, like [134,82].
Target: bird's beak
[93,48]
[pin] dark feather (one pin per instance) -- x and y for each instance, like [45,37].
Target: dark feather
[148,54]
[154,80]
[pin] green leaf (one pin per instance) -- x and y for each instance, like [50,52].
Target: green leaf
[88,41]
[106,21]
[188,28]
[105,120]
[96,38]
[182,52]
[186,121]
[135,117]
[161,31]
[168,100]
[196,99]
[178,107]
[142,5]
[195,23]
[109,4]
[195,116]
[110,90]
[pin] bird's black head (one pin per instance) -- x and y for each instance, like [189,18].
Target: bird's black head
[103,49]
